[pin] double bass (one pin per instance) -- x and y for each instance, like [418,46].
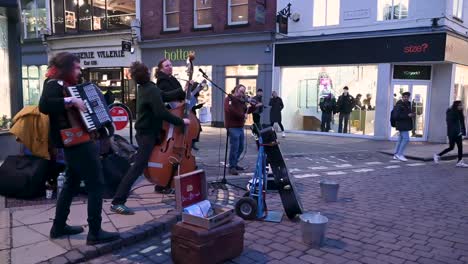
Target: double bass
[173,156]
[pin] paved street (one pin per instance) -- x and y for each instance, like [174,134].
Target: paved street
[387,212]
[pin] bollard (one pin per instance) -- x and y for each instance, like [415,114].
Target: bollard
[313,227]
[329,190]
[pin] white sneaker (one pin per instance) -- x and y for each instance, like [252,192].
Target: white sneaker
[401,158]
[462,164]
[395,157]
[284,135]
[436,158]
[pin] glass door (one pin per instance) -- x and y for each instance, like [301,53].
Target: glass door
[419,97]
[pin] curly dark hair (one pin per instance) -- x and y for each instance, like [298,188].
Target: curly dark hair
[63,62]
[139,72]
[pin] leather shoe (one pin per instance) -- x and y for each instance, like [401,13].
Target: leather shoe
[233,171]
[101,237]
[65,231]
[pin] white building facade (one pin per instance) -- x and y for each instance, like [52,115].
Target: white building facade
[379,49]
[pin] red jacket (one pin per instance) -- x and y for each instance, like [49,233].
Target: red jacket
[234,112]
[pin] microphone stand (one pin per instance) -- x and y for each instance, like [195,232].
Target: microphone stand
[223,182]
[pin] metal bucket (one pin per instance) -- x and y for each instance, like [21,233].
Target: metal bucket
[329,190]
[313,227]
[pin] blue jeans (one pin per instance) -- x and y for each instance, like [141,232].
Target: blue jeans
[403,140]
[236,145]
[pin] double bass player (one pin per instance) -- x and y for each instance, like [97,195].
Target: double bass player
[151,114]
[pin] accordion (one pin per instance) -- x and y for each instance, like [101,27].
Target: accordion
[97,114]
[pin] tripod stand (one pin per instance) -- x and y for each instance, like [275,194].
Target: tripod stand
[221,184]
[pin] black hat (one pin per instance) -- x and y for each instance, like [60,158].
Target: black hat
[406,93]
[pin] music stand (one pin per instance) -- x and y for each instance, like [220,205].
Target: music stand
[221,184]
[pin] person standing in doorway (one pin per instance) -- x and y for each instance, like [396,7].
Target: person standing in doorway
[344,106]
[403,116]
[455,131]
[327,106]
[277,106]
[82,160]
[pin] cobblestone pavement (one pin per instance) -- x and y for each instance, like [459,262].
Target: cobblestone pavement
[387,212]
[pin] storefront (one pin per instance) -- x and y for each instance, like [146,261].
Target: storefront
[377,71]
[10,81]
[227,64]
[103,62]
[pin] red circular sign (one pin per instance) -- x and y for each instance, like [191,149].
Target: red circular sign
[119,116]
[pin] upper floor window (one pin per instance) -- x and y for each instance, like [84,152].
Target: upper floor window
[202,13]
[392,9]
[71,16]
[458,9]
[238,12]
[34,17]
[326,13]
[171,14]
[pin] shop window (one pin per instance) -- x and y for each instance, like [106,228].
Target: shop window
[460,91]
[238,12]
[326,13]
[312,93]
[34,17]
[171,14]
[71,16]
[5,101]
[458,9]
[392,9]
[202,13]
[33,82]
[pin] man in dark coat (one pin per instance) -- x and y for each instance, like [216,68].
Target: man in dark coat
[403,116]
[275,112]
[328,106]
[344,106]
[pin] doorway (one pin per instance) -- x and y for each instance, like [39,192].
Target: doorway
[419,105]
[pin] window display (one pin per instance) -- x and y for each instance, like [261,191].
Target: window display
[461,86]
[309,91]
[34,17]
[33,81]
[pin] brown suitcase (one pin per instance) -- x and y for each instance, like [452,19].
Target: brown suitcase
[191,244]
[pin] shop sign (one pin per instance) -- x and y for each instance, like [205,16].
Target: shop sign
[178,54]
[411,72]
[356,14]
[93,58]
[416,48]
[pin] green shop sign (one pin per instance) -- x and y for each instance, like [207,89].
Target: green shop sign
[177,55]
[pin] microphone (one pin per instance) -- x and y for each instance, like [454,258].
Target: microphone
[203,73]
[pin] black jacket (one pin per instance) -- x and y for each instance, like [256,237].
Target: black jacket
[345,104]
[328,105]
[152,112]
[171,90]
[276,106]
[53,105]
[401,112]
[455,123]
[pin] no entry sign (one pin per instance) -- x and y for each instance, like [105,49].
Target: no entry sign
[119,116]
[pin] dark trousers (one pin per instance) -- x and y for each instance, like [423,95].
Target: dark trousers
[452,141]
[82,163]
[256,120]
[326,119]
[280,125]
[145,147]
[343,117]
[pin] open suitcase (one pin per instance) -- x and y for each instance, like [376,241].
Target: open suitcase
[196,245]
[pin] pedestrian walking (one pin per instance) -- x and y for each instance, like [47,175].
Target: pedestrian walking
[455,131]
[344,106]
[403,117]
[276,104]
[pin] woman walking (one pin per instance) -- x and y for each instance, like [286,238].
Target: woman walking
[275,111]
[455,131]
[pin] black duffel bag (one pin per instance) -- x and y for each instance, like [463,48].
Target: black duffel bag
[114,168]
[24,176]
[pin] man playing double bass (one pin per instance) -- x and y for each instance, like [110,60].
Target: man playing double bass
[151,114]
